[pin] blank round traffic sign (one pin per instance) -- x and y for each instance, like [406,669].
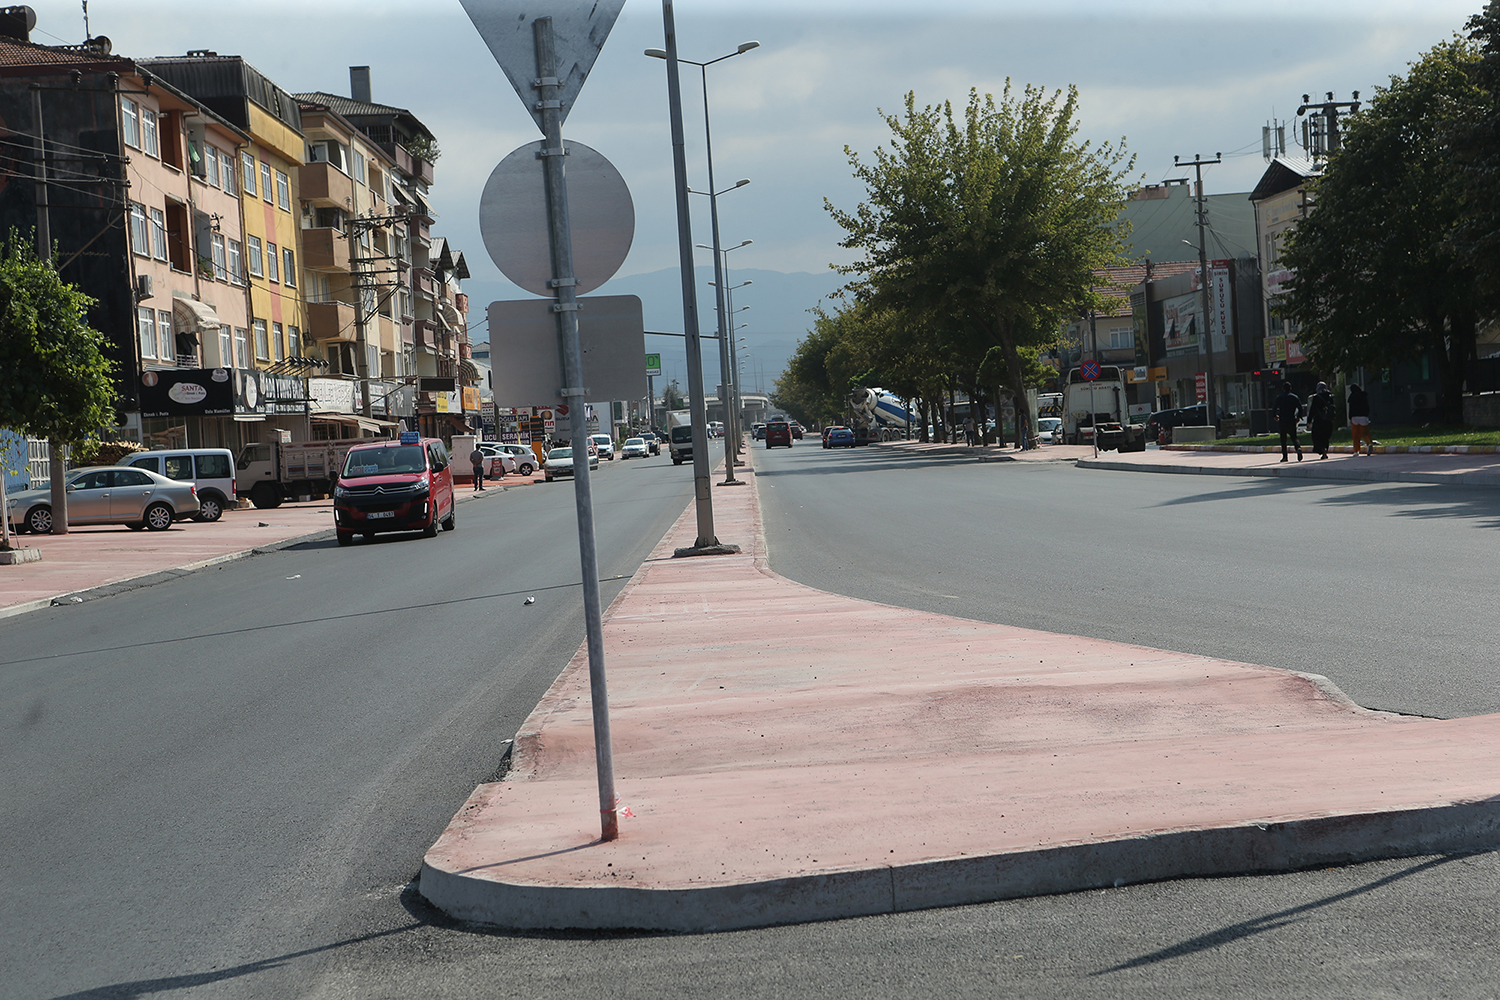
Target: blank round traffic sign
[513,218]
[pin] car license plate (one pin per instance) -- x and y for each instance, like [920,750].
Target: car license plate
[381,513]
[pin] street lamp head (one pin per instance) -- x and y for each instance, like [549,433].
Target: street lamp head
[657,53]
[744,244]
[742,182]
[747,46]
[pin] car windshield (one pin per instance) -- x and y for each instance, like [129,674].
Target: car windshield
[559,453]
[635,441]
[384,461]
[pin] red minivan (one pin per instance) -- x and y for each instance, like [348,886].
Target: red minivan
[387,485]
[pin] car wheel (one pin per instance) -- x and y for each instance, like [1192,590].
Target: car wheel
[210,509]
[158,517]
[265,496]
[450,523]
[346,537]
[430,531]
[527,468]
[39,520]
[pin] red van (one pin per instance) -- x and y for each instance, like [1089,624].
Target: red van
[386,485]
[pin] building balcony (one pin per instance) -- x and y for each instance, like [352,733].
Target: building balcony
[421,170]
[325,250]
[422,283]
[461,302]
[330,321]
[398,153]
[325,185]
[425,333]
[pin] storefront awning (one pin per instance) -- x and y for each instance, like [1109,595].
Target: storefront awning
[363,423]
[192,316]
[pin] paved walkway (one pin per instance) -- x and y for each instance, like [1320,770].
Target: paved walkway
[784,755]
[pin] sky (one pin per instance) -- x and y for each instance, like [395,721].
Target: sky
[1161,78]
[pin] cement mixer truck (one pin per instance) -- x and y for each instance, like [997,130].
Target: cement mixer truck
[878,416]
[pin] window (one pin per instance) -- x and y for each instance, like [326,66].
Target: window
[272,262]
[221,269]
[252,244]
[166,350]
[236,263]
[293,342]
[159,234]
[210,165]
[289,267]
[226,348]
[328,152]
[265,181]
[140,236]
[148,132]
[241,347]
[283,191]
[276,343]
[359,166]
[146,321]
[226,173]
[177,241]
[171,139]
[247,172]
[131,121]
[262,343]
[1121,337]
[330,218]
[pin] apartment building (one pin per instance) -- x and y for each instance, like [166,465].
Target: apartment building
[141,200]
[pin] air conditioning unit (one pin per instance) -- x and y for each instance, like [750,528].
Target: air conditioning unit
[1424,400]
[142,287]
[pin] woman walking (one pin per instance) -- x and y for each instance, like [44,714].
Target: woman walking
[1320,419]
[1359,419]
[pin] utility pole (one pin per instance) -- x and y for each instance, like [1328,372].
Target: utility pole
[56,454]
[1198,163]
[1323,141]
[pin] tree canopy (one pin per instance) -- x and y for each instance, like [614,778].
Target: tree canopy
[54,377]
[981,231]
[1380,277]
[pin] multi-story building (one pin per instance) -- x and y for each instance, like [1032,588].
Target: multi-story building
[268,260]
[141,198]
[431,340]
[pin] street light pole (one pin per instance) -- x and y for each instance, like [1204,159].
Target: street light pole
[713,209]
[732,430]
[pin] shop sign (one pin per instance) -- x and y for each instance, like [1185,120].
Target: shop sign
[188,392]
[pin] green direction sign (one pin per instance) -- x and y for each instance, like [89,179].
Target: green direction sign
[653,365]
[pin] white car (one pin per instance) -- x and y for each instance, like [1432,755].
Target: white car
[606,445]
[560,462]
[524,456]
[497,463]
[1049,430]
[635,448]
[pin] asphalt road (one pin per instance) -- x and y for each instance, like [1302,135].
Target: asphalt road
[310,775]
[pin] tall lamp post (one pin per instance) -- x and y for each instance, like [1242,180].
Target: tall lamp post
[733,428]
[713,208]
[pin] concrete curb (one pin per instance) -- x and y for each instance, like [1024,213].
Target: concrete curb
[1304,470]
[1255,848]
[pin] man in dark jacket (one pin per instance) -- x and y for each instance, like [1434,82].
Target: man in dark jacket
[1320,419]
[1288,408]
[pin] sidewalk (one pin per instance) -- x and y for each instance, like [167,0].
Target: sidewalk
[99,560]
[785,755]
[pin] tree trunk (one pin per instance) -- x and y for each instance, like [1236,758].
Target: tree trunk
[1453,365]
[1017,389]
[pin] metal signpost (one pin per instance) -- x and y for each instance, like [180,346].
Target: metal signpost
[561,56]
[1090,372]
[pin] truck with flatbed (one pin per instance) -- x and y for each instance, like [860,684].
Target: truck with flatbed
[1098,411]
[270,472]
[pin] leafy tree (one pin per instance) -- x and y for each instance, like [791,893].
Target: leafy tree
[672,398]
[989,228]
[54,377]
[1475,147]
[1379,278]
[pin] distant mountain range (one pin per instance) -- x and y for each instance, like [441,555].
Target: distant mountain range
[777,319]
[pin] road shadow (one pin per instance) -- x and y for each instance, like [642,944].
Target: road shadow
[1270,921]
[1411,500]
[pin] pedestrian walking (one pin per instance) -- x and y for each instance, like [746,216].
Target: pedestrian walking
[969,431]
[1288,408]
[476,459]
[1320,419]
[1359,419]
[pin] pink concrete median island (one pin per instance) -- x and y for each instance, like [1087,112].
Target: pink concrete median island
[785,755]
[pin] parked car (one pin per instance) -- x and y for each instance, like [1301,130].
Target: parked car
[778,432]
[209,469]
[838,437]
[634,448]
[107,495]
[757,432]
[394,486]
[560,462]
[497,463]
[1049,430]
[524,456]
[1159,425]
[606,445]
[653,441]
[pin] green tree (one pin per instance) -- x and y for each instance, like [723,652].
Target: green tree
[1379,277]
[989,228]
[54,377]
[1475,148]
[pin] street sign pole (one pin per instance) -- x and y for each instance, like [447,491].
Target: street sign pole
[573,393]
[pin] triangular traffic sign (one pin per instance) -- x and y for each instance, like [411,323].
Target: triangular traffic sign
[578,28]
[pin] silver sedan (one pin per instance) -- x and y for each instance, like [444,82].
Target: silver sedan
[108,495]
